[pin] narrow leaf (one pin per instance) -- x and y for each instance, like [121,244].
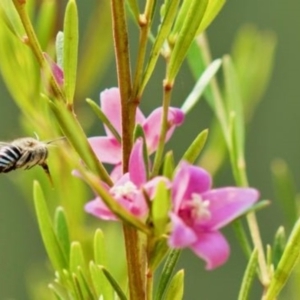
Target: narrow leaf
[100,283]
[76,136]
[166,274]
[196,147]
[99,248]
[160,208]
[114,284]
[212,10]
[62,231]
[176,287]
[70,49]
[201,85]
[186,34]
[100,114]
[286,264]
[278,245]
[164,30]
[285,190]
[45,225]
[159,252]
[76,257]
[169,165]
[248,277]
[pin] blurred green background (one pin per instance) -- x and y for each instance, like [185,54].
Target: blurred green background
[273,133]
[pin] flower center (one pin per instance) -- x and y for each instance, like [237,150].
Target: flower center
[200,208]
[125,190]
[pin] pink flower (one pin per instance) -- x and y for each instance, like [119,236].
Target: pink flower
[129,189]
[199,212]
[108,148]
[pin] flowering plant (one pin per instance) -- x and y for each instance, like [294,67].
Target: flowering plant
[160,202]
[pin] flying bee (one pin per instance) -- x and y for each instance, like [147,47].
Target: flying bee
[24,153]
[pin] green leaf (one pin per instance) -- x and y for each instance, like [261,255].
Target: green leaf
[134,9]
[59,47]
[62,231]
[160,208]
[212,10]
[236,116]
[248,277]
[100,283]
[201,85]
[45,21]
[59,291]
[11,18]
[97,49]
[166,273]
[99,248]
[76,136]
[278,245]
[100,114]
[169,165]
[76,258]
[196,147]
[176,287]
[285,190]
[70,50]
[159,252]
[164,30]
[114,284]
[190,16]
[51,243]
[286,264]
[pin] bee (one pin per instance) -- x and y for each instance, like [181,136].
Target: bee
[24,153]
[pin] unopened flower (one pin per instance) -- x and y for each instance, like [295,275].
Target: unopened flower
[129,190]
[108,148]
[199,212]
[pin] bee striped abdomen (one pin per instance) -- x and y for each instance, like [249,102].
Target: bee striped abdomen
[9,156]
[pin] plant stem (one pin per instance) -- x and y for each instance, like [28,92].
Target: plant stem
[36,48]
[168,86]
[144,23]
[135,253]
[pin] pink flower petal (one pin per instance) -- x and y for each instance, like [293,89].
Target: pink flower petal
[107,149]
[213,248]
[189,180]
[137,168]
[150,186]
[152,126]
[110,103]
[181,235]
[57,71]
[116,172]
[226,204]
[97,208]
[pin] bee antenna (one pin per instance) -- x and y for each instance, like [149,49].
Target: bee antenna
[36,136]
[57,139]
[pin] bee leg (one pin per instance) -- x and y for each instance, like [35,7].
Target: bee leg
[47,171]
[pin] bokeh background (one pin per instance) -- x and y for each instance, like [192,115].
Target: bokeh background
[272,133]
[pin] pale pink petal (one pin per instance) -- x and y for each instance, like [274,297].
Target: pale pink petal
[189,180]
[97,208]
[137,168]
[137,206]
[116,172]
[226,204]
[211,247]
[107,149]
[181,235]
[152,126]
[110,103]
[122,180]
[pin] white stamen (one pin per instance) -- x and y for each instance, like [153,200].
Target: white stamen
[200,207]
[124,190]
